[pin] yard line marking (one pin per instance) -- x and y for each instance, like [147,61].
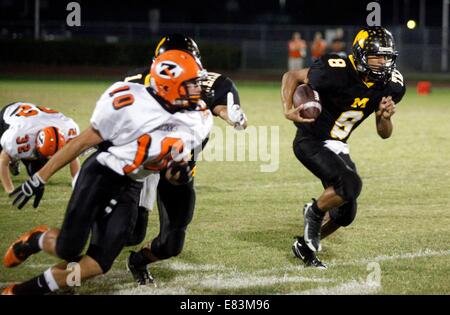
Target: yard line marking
[352,287]
[244,280]
[420,254]
[182,266]
[364,261]
[149,290]
[233,279]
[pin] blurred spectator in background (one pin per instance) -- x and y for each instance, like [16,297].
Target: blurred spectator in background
[297,52]
[318,46]
[338,44]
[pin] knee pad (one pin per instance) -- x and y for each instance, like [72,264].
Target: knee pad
[68,250]
[140,228]
[345,214]
[171,247]
[348,185]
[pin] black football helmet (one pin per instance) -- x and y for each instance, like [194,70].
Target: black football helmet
[178,42]
[375,41]
[182,42]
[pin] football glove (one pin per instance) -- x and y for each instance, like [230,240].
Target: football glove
[179,173]
[235,114]
[34,185]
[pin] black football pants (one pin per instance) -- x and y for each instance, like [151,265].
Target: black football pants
[334,170]
[104,205]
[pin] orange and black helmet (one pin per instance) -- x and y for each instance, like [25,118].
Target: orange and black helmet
[170,74]
[48,141]
[374,41]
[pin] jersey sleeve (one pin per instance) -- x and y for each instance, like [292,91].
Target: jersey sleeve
[5,142]
[73,130]
[221,89]
[105,117]
[397,86]
[18,150]
[328,73]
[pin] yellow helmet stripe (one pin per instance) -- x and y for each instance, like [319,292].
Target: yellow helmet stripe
[159,45]
[360,38]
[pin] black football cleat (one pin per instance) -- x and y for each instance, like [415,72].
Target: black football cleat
[313,224]
[140,273]
[309,258]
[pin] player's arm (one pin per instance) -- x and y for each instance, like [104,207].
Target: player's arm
[74,167]
[4,172]
[34,186]
[221,111]
[87,139]
[290,81]
[383,115]
[227,106]
[239,120]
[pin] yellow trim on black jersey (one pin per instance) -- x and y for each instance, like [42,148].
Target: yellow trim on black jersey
[352,61]
[147,80]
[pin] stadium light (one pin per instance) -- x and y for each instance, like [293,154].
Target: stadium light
[411,24]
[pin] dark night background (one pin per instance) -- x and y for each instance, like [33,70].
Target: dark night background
[312,12]
[234,34]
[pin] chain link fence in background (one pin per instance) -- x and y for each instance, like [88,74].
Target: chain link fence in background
[262,47]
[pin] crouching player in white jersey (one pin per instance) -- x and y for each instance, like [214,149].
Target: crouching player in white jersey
[32,134]
[148,130]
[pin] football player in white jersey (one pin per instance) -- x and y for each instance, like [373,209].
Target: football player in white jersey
[222,99]
[147,130]
[32,134]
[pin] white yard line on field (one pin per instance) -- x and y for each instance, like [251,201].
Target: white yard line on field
[420,254]
[181,266]
[364,261]
[243,280]
[230,278]
[150,290]
[352,287]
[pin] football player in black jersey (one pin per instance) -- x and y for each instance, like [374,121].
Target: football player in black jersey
[176,213]
[351,89]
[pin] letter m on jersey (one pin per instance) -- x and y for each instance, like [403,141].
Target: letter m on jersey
[360,103]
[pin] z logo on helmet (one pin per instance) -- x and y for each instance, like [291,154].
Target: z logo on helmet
[168,70]
[41,138]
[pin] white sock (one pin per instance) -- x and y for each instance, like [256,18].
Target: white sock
[41,241]
[51,282]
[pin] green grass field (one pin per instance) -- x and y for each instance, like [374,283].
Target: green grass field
[240,239]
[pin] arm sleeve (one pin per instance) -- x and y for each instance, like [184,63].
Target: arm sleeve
[319,76]
[105,117]
[221,90]
[10,147]
[5,143]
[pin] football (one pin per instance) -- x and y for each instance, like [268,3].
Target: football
[306,96]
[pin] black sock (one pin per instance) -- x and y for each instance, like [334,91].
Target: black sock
[139,258]
[315,209]
[35,286]
[33,242]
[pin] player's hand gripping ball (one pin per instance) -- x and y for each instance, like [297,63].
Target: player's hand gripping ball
[306,96]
